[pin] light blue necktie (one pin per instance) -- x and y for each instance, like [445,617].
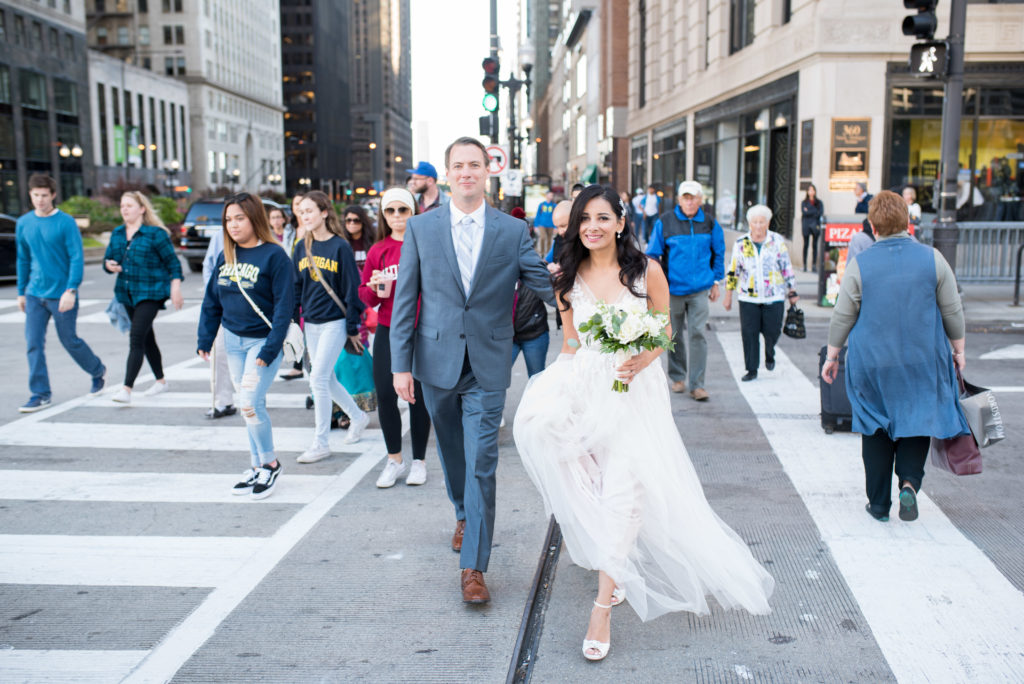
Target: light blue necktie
[464,250]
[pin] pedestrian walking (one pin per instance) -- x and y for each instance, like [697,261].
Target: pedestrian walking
[359,232]
[296,234]
[812,212]
[423,183]
[762,276]
[50,264]
[898,306]
[913,208]
[326,294]
[250,295]
[543,224]
[459,268]
[560,219]
[612,467]
[281,227]
[142,255]
[691,246]
[650,208]
[377,290]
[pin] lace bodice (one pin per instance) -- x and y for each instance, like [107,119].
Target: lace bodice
[584,305]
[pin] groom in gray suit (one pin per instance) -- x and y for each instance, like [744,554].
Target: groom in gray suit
[461,263]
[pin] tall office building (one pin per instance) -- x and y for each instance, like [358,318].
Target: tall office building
[44,101]
[315,62]
[228,53]
[381,92]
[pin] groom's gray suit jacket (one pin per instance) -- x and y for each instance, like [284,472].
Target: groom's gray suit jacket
[450,322]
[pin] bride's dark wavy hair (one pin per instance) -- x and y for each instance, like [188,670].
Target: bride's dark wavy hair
[632,262]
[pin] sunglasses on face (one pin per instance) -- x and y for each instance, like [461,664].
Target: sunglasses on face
[391,211]
[352,220]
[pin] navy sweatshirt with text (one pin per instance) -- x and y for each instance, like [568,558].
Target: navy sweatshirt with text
[337,263]
[266,274]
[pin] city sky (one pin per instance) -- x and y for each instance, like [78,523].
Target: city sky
[449,40]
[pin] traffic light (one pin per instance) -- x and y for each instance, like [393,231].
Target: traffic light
[923,24]
[491,83]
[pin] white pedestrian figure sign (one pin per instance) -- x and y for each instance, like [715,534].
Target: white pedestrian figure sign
[928,60]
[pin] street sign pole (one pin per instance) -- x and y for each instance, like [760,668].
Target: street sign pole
[946,233]
[494,114]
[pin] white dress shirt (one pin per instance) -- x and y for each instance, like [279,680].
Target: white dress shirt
[477,215]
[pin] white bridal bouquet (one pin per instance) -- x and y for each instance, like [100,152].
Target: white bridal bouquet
[625,333]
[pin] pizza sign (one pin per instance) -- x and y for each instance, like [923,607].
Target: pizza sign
[841,232]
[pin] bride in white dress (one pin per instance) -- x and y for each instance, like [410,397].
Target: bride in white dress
[611,467]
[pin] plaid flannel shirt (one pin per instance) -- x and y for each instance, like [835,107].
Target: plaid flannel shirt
[148,262]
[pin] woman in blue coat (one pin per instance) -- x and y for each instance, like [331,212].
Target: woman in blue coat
[898,306]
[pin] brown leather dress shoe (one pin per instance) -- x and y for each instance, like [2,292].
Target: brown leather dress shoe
[473,588]
[460,529]
[679,387]
[699,394]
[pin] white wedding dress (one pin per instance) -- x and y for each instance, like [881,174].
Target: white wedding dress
[613,470]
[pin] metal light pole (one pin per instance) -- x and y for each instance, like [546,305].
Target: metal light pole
[947,235]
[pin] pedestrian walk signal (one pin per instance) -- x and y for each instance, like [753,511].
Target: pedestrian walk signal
[928,60]
[923,24]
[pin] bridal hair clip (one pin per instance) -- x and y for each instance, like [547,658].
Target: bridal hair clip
[622,205]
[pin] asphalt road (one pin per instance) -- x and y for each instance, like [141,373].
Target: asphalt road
[123,556]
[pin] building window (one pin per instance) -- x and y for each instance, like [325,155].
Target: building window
[642,56]
[101,35]
[36,135]
[147,63]
[19,29]
[180,62]
[174,134]
[787,11]
[65,97]
[69,46]
[741,24]
[179,35]
[33,90]
[143,6]
[37,36]
[122,35]
[669,164]
[581,135]
[168,35]
[3,25]
[143,35]
[54,43]
[184,142]
[101,105]
[101,6]
[168,66]
[172,6]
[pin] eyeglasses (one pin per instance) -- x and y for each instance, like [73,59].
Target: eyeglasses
[390,211]
[352,220]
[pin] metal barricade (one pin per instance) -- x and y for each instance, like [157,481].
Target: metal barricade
[986,251]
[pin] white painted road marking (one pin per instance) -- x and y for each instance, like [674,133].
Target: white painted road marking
[937,606]
[80,667]
[172,399]
[170,437]
[1013,351]
[64,485]
[124,561]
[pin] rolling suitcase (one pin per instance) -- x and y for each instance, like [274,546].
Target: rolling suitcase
[836,413]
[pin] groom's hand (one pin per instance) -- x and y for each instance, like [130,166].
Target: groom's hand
[404,386]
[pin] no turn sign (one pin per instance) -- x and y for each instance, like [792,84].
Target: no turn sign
[498,155]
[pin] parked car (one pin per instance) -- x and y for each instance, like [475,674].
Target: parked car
[202,219]
[8,249]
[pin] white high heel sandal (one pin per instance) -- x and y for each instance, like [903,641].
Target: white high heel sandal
[600,646]
[618,596]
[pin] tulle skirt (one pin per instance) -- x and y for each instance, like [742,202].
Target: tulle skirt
[613,470]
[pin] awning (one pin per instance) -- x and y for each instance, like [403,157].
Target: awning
[590,175]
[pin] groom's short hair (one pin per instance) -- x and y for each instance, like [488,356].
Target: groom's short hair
[467,140]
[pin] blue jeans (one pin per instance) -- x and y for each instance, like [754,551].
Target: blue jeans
[535,353]
[252,382]
[325,342]
[37,317]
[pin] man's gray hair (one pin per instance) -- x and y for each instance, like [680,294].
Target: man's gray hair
[759,210]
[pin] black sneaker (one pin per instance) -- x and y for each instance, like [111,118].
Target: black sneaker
[228,410]
[246,485]
[908,504]
[266,477]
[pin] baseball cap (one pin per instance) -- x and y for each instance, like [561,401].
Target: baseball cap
[424,169]
[690,187]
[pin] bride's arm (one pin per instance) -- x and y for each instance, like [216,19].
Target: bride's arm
[657,289]
[570,340]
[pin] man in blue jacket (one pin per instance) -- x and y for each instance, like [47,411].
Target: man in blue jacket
[691,247]
[50,267]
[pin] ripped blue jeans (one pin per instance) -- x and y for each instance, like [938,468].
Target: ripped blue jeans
[252,383]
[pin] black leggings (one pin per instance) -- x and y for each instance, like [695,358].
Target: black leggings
[387,402]
[808,234]
[142,341]
[881,456]
[757,320]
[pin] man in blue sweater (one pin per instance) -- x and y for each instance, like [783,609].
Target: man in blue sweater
[691,247]
[50,263]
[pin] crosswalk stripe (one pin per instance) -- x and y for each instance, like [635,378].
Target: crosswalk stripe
[188,314]
[123,561]
[170,399]
[63,485]
[80,667]
[200,374]
[1010,352]
[202,438]
[937,606]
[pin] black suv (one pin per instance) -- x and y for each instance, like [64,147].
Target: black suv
[204,217]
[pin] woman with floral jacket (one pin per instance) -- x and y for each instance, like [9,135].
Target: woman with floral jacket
[762,275]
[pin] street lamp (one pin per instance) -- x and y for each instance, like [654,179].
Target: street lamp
[373,146]
[65,152]
[235,175]
[171,168]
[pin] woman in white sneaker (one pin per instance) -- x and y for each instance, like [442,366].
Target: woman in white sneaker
[140,252]
[379,278]
[326,292]
[251,295]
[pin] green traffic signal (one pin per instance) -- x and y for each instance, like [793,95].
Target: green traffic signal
[490,102]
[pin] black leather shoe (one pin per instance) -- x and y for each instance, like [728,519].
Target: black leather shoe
[770,365]
[751,375]
[228,410]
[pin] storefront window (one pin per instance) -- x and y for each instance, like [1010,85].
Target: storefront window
[669,159]
[991,155]
[727,179]
[638,166]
